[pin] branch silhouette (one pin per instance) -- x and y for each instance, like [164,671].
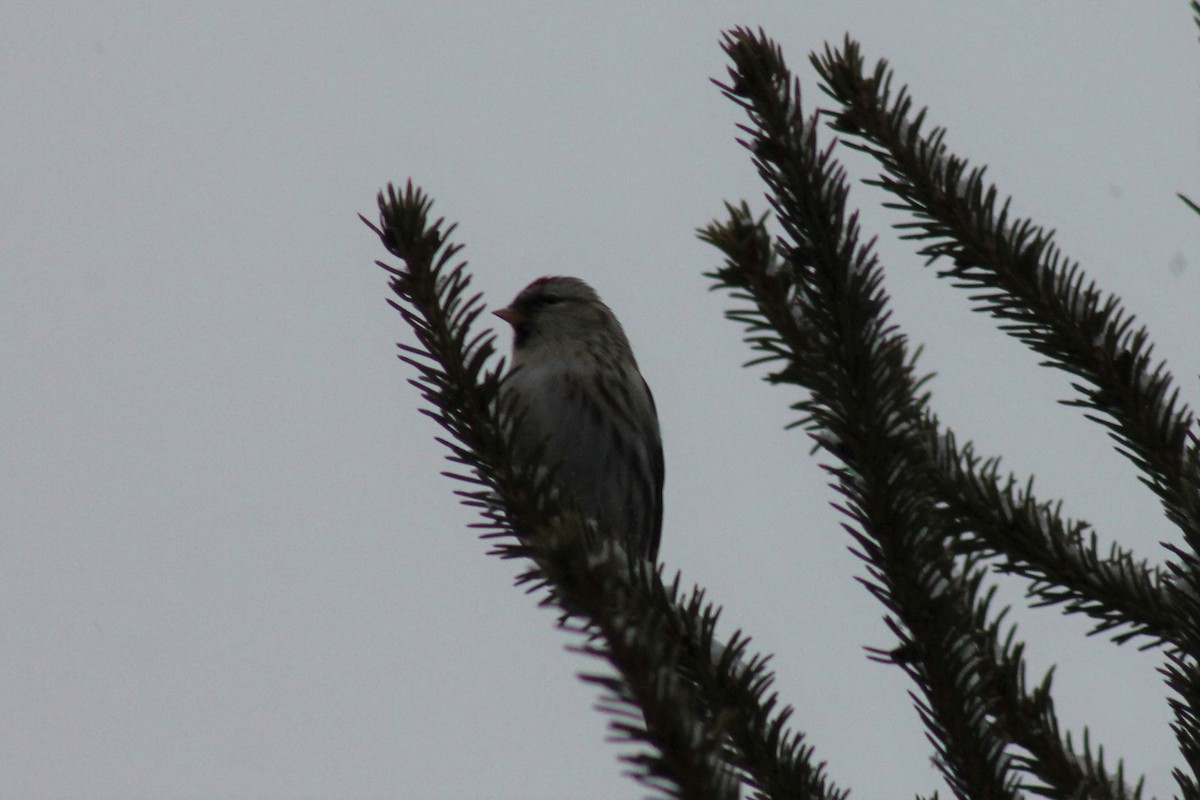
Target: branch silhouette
[930,518]
[702,715]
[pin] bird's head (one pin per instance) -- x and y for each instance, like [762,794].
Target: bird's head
[558,309]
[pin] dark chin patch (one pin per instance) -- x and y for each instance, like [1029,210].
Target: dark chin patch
[521,333]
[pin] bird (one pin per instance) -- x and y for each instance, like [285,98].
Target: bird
[585,408]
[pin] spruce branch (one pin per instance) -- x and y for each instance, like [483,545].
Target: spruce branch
[862,410]
[990,515]
[752,274]
[1189,203]
[699,714]
[783,325]
[650,709]
[774,761]
[1001,517]
[1055,768]
[1019,276]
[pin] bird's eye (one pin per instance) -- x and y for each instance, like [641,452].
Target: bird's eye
[548,299]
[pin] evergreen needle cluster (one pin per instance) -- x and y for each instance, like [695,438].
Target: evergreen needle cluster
[929,516]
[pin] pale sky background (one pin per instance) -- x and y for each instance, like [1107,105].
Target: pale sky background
[230,567]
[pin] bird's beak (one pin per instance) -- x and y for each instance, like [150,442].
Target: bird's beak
[509,315]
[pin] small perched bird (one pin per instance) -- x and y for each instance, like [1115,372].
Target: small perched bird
[585,402]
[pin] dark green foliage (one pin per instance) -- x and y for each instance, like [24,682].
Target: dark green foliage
[1017,275]
[602,600]
[1001,518]
[699,715]
[863,407]
[929,517]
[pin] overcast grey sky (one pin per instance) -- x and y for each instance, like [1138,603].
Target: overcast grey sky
[230,566]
